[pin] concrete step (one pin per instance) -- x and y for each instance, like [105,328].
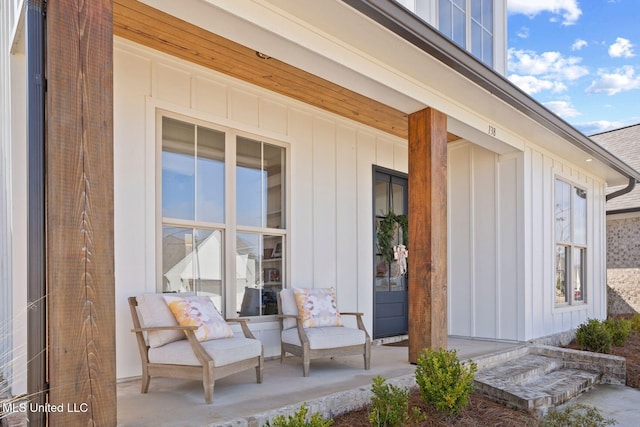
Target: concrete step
[519,370]
[533,383]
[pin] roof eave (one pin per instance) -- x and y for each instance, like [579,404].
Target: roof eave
[406,25]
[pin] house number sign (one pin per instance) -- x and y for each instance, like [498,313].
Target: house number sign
[491,131]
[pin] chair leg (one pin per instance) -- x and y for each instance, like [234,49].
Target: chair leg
[208,382]
[367,355]
[305,364]
[145,380]
[259,369]
[283,353]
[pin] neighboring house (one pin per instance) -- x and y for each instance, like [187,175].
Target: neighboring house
[623,226]
[234,148]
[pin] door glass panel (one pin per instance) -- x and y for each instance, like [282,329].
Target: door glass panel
[192,262]
[382,198]
[397,198]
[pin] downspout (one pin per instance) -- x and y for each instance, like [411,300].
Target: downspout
[622,191]
[36,250]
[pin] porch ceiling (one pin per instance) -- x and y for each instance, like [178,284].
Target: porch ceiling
[158,30]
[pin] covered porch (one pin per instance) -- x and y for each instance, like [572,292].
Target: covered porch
[333,386]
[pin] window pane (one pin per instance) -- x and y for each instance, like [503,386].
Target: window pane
[249,183]
[563,211]
[579,274]
[259,273]
[487,15]
[459,27]
[579,216]
[487,48]
[476,10]
[274,167]
[192,262]
[178,169]
[561,274]
[210,176]
[444,18]
[476,40]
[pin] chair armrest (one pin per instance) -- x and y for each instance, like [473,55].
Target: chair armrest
[289,316]
[243,324]
[358,320]
[165,328]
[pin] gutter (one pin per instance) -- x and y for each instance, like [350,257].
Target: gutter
[622,191]
[412,29]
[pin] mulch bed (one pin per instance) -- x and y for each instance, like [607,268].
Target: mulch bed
[483,412]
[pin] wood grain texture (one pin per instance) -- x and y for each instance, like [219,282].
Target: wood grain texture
[155,29]
[79,181]
[427,231]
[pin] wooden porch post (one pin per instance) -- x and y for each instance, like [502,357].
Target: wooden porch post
[79,213]
[427,231]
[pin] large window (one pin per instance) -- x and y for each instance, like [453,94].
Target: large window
[571,243]
[223,216]
[469,23]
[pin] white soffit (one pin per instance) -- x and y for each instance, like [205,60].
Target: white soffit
[331,40]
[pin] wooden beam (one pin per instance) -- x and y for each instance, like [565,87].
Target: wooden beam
[427,231]
[153,28]
[79,182]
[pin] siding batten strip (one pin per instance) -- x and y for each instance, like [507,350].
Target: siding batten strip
[79,213]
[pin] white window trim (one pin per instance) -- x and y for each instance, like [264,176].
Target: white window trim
[153,173]
[467,36]
[586,302]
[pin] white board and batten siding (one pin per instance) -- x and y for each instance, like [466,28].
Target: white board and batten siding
[330,181]
[501,243]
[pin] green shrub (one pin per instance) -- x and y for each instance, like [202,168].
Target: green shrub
[575,416]
[390,405]
[635,322]
[445,382]
[299,419]
[594,336]
[619,329]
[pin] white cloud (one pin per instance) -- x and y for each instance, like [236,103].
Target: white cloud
[569,9]
[523,33]
[590,128]
[547,65]
[532,84]
[563,109]
[579,44]
[623,79]
[622,48]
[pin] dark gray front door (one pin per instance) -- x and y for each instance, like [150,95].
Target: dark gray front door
[390,288]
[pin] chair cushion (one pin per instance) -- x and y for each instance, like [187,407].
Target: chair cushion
[326,337]
[154,311]
[222,351]
[317,307]
[201,312]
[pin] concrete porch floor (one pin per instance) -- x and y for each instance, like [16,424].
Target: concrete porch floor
[237,399]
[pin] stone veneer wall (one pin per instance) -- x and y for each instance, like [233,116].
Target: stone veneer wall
[623,265]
